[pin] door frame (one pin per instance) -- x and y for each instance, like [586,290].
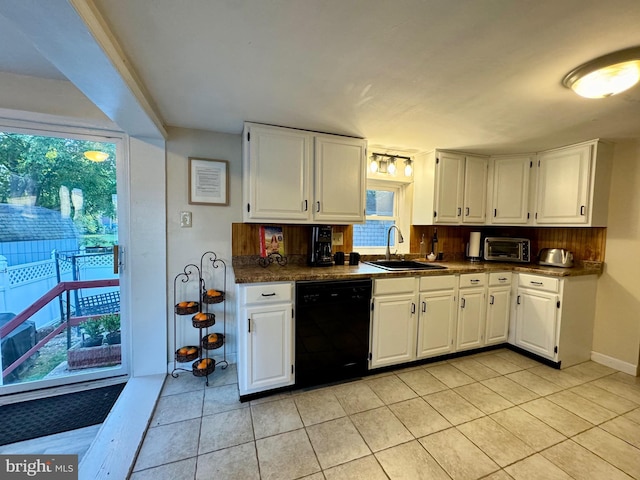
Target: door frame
[48,125]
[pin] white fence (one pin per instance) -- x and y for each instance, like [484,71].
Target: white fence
[22,285]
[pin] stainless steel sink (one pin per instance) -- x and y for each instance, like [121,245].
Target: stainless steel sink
[404,265]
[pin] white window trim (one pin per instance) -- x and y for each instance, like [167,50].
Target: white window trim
[402,212]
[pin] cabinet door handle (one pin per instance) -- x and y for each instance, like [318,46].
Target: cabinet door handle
[466,211]
[413,308]
[459,211]
[424,307]
[495,212]
[306,205]
[538,284]
[518,300]
[492,299]
[582,209]
[273,294]
[318,206]
[249,323]
[462,302]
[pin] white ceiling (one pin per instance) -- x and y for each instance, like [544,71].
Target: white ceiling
[479,75]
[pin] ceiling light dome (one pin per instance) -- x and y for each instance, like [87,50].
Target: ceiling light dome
[607,75]
[96,156]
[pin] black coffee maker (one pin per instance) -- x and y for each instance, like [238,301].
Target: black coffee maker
[320,248]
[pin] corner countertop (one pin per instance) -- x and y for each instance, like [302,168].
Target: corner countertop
[253,273]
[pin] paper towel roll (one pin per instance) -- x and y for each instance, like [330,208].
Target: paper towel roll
[474,244]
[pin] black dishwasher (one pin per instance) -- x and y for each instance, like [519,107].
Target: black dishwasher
[332,330]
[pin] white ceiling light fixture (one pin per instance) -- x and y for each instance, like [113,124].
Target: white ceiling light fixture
[607,75]
[96,156]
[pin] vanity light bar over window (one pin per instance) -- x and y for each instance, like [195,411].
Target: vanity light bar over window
[386,163]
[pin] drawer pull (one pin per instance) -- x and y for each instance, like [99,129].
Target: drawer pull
[538,284]
[502,279]
[268,294]
[475,280]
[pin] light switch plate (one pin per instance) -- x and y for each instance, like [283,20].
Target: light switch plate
[185,219]
[337,238]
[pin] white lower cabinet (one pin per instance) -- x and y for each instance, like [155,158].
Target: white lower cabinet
[498,308]
[554,317]
[393,327]
[413,318]
[471,311]
[265,336]
[437,317]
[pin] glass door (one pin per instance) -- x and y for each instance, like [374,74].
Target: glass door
[60,315]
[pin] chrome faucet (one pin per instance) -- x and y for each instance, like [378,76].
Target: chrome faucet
[387,255]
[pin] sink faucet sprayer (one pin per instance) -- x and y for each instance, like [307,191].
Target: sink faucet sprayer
[387,255]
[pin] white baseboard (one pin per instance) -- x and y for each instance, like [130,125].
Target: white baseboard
[611,362]
[112,453]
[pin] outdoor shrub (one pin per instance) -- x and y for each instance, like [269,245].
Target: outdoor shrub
[111,322]
[92,327]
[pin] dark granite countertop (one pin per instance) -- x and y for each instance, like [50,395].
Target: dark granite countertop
[251,272]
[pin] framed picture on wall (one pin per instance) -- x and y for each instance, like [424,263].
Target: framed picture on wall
[208,181]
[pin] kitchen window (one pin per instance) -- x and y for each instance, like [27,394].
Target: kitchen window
[383,209]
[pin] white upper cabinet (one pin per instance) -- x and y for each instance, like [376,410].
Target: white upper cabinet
[296,176]
[509,180]
[573,185]
[276,174]
[475,189]
[449,188]
[340,179]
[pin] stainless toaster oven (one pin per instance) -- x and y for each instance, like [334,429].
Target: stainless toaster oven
[507,249]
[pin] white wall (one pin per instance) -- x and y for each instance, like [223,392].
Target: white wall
[145,257]
[616,338]
[211,229]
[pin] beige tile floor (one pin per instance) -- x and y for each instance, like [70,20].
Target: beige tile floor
[495,415]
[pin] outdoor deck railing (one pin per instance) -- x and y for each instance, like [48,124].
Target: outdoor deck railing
[70,321]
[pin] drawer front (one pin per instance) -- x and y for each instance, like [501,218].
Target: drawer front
[538,282]
[385,286]
[473,280]
[267,293]
[444,282]
[499,278]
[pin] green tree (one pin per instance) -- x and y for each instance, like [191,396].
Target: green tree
[39,165]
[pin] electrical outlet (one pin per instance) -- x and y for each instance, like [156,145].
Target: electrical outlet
[185,219]
[337,239]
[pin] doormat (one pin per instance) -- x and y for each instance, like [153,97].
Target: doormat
[47,416]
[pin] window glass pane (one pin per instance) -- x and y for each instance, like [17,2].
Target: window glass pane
[380,202]
[373,233]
